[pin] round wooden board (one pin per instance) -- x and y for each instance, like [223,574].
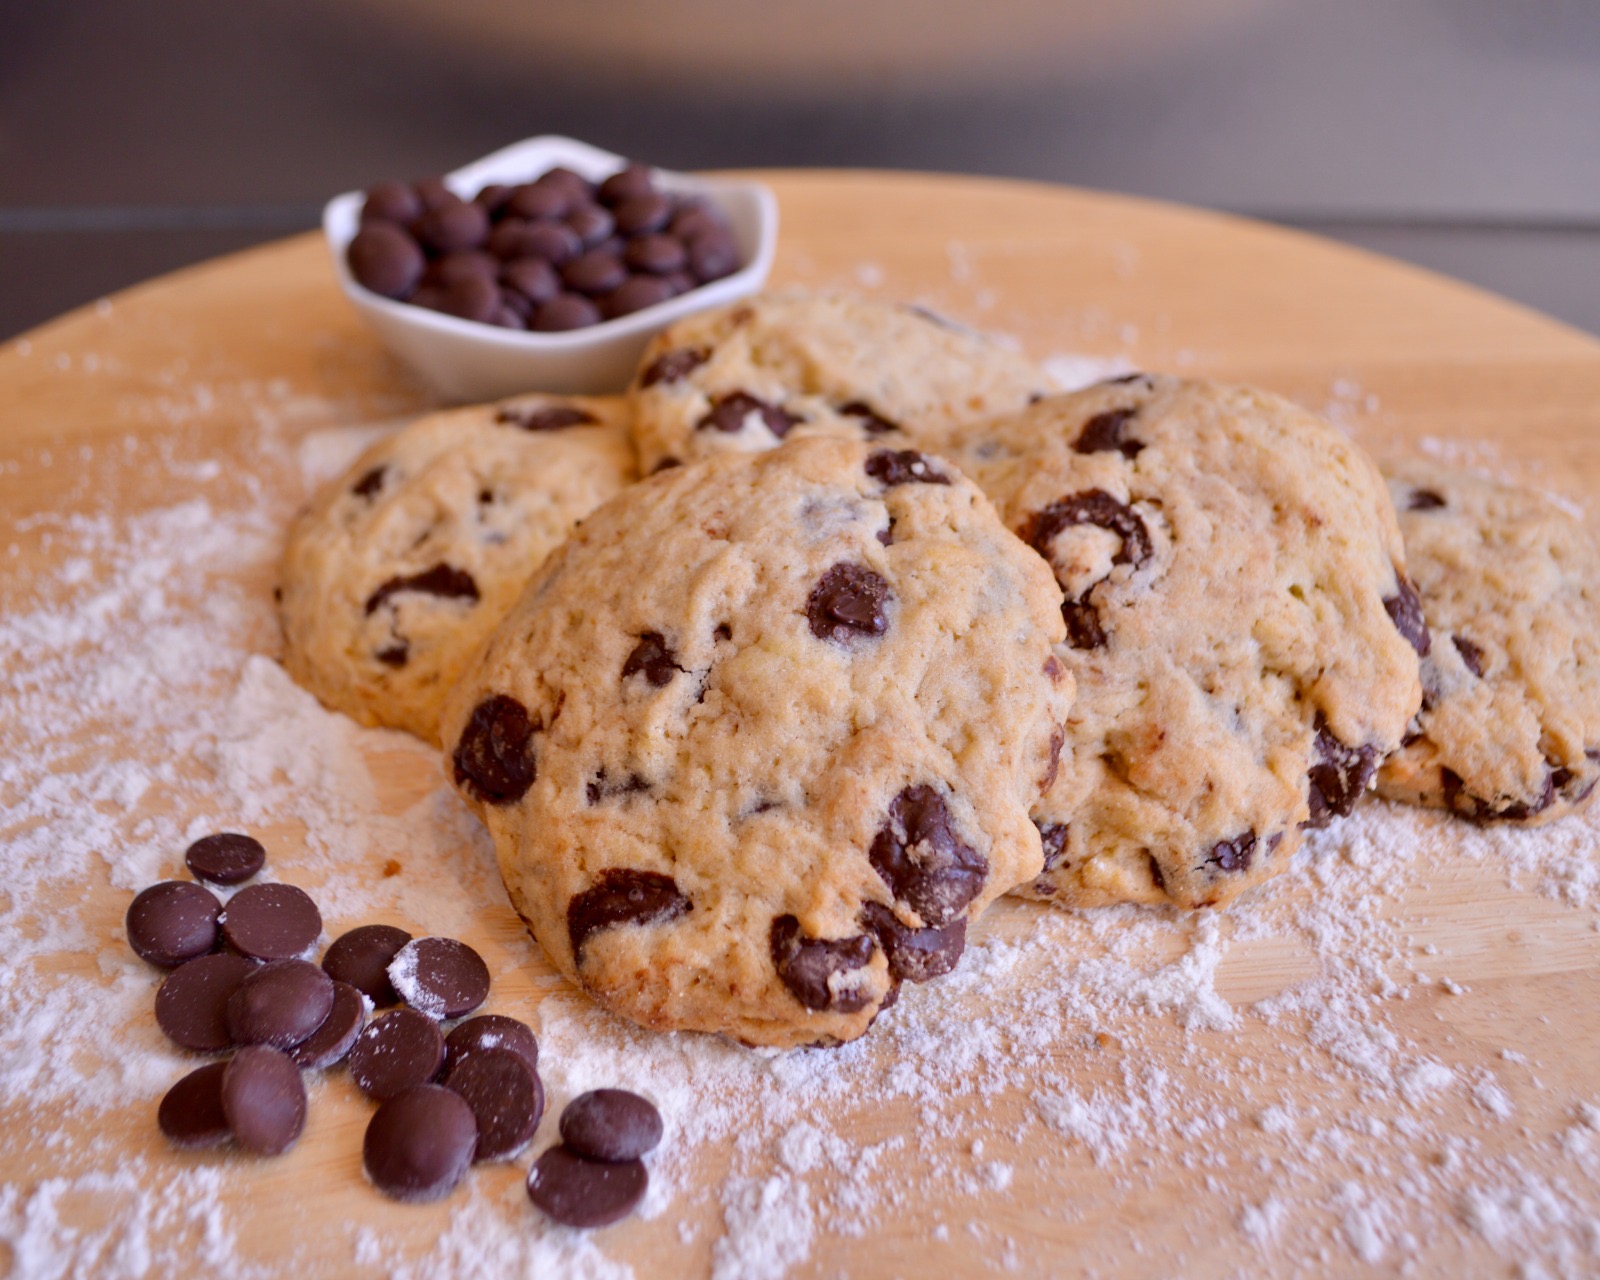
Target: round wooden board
[188,367]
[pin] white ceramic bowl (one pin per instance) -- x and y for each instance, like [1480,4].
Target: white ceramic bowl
[467,361]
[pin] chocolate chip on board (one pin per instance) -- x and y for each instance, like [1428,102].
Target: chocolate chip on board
[394,1052]
[440,977]
[330,1043]
[263,1099]
[585,1193]
[280,1004]
[227,858]
[848,601]
[192,1004]
[611,1125]
[191,1113]
[622,896]
[419,1143]
[362,957]
[491,1031]
[506,1097]
[172,922]
[271,922]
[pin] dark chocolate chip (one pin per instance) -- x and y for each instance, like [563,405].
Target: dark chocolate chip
[458,224]
[635,294]
[817,970]
[848,601]
[464,264]
[394,1052]
[280,1004]
[903,466]
[391,202]
[384,259]
[600,787]
[271,922]
[506,1097]
[594,272]
[1052,768]
[440,977]
[623,896]
[592,224]
[1483,812]
[1106,433]
[539,200]
[192,1004]
[653,659]
[225,858]
[1053,838]
[695,218]
[657,254]
[611,1124]
[729,413]
[1405,611]
[885,535]
[371,483]
[712,255]
[915,955]
[556,417]
[493,198]
[330,1043]
[1127,379]
[643,215]
[433,192]
[585,1193]
[361,958]
[922,859]
[1339,776]
[443,580]
[191,1113]
[674,365]
[419,1143]
[263,1099]
[1471,654]
[532,278]
[565,311]
[1098,508]
[495,757]
[1425,500]
[491,1031]
[872,422]
[1237,854]
[173,921]
[1083,625]
[666,464]
[635,180]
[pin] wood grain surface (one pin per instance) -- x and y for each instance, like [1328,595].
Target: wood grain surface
[1396,356]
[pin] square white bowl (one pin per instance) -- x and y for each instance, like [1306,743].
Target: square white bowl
[464,361]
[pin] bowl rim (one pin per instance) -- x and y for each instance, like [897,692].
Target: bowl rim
[341,220]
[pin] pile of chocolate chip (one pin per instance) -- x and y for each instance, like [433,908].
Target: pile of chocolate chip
[555,253]
[240,981]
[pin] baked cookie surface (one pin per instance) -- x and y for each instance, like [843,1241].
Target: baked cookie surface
[764,735]
[1509,729]
[1244,639]
[397,572]
[791,364]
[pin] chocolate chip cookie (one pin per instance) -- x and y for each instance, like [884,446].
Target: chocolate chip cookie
[398,571]
[747,376]
[1509,729]
[765,734]
[1244,638]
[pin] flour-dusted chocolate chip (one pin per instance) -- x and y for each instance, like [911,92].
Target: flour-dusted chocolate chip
[556,417]
[330,1043]
[1405,611]
[1053,838]
[280,1004]
[443,580]
[361,958]
[903,466]
[623,896]
[386,260]
[264,1100]
[1471,654]
[611,1124]
[915,955]
[731,412]
[585,1193]
[1107,433]
[1094,507]
[172,922]
[506,1097]
[848,601]
[191,1114]
[822,973]
[271,922]
[922,859]
[371,482]
[872,422]
[419,1143]
[1339,776]
[652,658]
[1424,500]
[227,858]
[192,1004]
[395,1052]
[440,977]
[491,1031]
[674,366]
[495,757]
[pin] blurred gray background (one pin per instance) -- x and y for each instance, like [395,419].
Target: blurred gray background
[1463,135]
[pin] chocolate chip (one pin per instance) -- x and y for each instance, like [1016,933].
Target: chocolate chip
[225,858]
[1052,768]
[330,1043]
[904,466]
[1053,838]
[506,1097]
[623,896]
[1339,776]
[464,264]
[1237,854]
[873,423]
[457,224]
[495,757]
[1127,379]
[611,1124]
[712,255]
[556,417]
[723,632]
[491,1031]
[419,1143]
[635,180]
[585,1193]
[191,1113]
[192,1004]
[271,922]
[847,601]
[391,202]
[594,272]
[280,1004]
[384,259]
[922,859]
[915,955]
[591,224]
[1483,812]
[652,658]
[371,483]
[440,977]
[493,198]
[173,921]
[539,200]
[395,1052]
[643,215]
[1405,611]
[433,192]
[674,365]
[565,311]
[885,535]
[1424,500]
[600,787]
[1095,507]
[666,464]
[635,294]
[730,412]
[1083,625]
[1471,654]
[263,1099]
[361,958]
[443,580]
[1106,433]
[532,278]
[474,298]
[656,254]
[817,970]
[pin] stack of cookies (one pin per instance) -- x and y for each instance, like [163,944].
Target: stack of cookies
[886,632]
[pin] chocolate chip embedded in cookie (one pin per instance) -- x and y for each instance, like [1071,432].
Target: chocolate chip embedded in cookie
[772,778]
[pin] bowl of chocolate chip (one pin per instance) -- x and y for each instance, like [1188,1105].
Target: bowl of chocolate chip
[547,265]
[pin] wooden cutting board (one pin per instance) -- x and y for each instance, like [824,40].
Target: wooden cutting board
[1396,355]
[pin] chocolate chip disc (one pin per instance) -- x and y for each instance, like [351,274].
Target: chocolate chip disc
[419,1143]
[172,922]
[362,957]
[440,977]
[191,1114]
[396,1051]
[585,1193]
[506,1098]
[264,1100]
[192,1004]
[280,1004]
[611,1124]
[271,922]
[491,1031]
[330,1043]
[225,858]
